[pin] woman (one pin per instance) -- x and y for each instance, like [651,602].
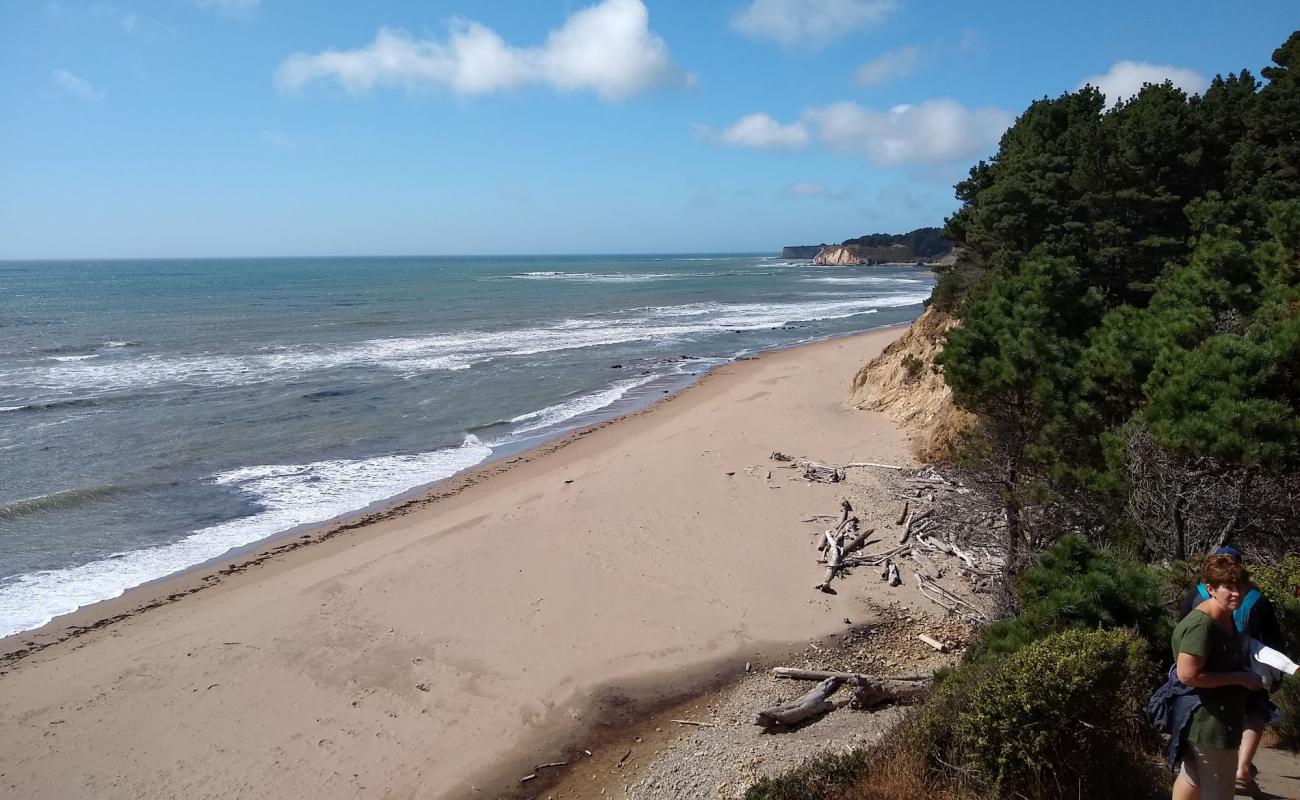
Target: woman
[1211,658]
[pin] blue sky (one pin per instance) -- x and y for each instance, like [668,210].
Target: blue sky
[278,127]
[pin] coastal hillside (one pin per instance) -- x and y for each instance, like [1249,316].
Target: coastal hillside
[906,384]
[923,245]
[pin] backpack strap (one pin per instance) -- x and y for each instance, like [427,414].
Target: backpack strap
[1241,617]
[1204,590]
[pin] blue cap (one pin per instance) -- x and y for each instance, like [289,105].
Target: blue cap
[1228,551]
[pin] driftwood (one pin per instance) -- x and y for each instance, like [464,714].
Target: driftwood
[869,690]
[903,516]
[871,464]
[795,711]
[894,578]
[853,678]
[927,566]
[777,455]
[822,474]
[837,549]
[935,643]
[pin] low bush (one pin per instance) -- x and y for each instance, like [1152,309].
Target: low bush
[913,366]
[821,778]
[1077,586]
[1062,718]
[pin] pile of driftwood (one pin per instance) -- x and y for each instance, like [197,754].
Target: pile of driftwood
[939,531]
[812,471]
[868,691]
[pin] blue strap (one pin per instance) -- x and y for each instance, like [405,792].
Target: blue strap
[1242,615]
[1204,590]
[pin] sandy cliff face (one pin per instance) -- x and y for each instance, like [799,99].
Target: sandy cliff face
[904,382]
[837,256]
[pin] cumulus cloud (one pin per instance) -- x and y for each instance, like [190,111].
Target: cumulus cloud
[76,86]
[806,189]
[758,131]
[607,48]
[931,132]
[231,8]
[1126,78]
[809,23]
[892,64]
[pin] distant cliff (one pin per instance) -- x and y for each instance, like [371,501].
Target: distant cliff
[801,250]
[921,245]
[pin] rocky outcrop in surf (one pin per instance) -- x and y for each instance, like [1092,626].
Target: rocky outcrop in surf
[837,256]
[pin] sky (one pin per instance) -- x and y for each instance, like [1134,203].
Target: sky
[226,128]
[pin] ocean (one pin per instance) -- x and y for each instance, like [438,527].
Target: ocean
[155,415]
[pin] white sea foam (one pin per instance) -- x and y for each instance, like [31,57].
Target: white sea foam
[599,277]
[414,355]
[560,413]
[74,358]
[11,408]
[287,496]
[862,280]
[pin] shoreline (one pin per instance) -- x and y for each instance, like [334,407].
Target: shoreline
[347,616]
[197,577]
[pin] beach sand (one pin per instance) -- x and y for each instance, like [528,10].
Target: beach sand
[490,623]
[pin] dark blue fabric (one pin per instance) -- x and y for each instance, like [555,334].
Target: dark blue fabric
[1170,711]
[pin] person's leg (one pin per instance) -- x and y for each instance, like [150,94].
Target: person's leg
[1215,771]
[1185,785]
[1250,738]
[1185,789]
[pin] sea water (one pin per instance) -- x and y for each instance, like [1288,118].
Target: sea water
[155,415]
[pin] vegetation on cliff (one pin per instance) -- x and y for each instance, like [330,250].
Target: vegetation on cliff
[1129,299]
[922,244]
[1126,335]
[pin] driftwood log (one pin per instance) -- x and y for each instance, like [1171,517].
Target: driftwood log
[795,711]
[822,474]
[869,690]
[837,549]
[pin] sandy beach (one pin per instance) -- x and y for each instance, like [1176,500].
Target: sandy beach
[496,618]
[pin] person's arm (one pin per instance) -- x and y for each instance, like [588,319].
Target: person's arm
[1191,671]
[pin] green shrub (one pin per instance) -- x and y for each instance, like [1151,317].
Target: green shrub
[820,778]
[1062,718]
[912,367]
[1278,583]
[1077,586]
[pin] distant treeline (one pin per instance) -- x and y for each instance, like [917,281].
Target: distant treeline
[923,242]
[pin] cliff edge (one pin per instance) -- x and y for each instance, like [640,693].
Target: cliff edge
[905,383]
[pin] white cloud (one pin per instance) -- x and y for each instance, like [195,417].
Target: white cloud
[1126,78]
[892,64]
[758,131]
[607,48]
[76,86]
[931,132]
[809,23]
[231,8]
[806,189]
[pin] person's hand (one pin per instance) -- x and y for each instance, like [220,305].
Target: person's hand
[1252,681]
